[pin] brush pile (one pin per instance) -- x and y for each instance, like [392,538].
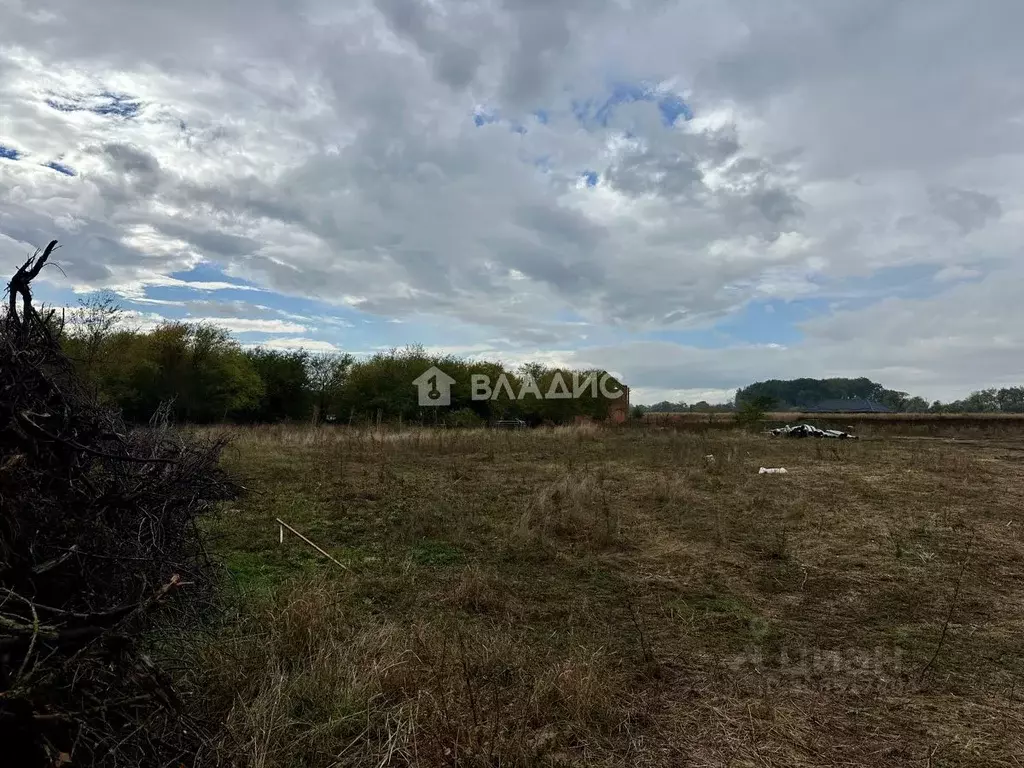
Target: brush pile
[101,561]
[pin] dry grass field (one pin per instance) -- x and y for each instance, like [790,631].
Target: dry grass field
[866,424]
[589,597]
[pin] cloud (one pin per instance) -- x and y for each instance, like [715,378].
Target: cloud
[644,166]
[939,347]
[249,325]
[290,343]
[967,209]
[955,272]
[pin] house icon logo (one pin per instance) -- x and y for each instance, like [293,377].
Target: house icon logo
[434,387]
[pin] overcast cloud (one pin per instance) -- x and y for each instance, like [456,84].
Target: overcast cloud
[694,194]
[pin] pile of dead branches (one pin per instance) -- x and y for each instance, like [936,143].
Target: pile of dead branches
[100,558]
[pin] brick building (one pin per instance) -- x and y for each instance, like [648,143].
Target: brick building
[618,409]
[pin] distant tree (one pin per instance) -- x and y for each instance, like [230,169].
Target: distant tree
[803,393]
[892,399]
[595,396]
[751,411]
[286,392]
[464,417]
[983,401]
[915,405]
[200,369]
[1005,400]
[381,386]
[1011,399]
[667,407]
[327,372]
[88,329]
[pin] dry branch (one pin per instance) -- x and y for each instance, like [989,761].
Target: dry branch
[99,554]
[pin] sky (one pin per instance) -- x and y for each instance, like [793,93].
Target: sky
[693,195]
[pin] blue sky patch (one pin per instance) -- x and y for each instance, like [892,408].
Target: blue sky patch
[207,272]
[707,338]
[60,168]
[590,110]
[915,281]
[581,109]
[105,103]
[590,178]
[482,117]
[543,163]
[9,153]
[671,106]
[771,322]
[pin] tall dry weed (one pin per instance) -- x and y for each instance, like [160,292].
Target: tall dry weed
[301,680]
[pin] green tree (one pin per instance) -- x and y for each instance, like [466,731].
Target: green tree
[805,393]
[326,373]
[667,407]
[752,410]
[87,334]
[286,393]
[1011,399]
[983,401]
[381,386]
[915,405]
[200,369]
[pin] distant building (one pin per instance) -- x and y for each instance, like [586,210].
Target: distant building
[850,405]
[618,410]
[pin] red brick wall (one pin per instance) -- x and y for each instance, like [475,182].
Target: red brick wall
[618,410]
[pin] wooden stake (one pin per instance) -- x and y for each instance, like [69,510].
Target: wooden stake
[319,549]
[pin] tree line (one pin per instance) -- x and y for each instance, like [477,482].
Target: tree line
[797,394]
[667,406]
[201,374]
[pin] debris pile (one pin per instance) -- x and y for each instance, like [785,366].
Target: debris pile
[101,560]
[806,430]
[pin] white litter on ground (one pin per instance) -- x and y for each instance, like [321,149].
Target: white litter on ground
[806,430]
